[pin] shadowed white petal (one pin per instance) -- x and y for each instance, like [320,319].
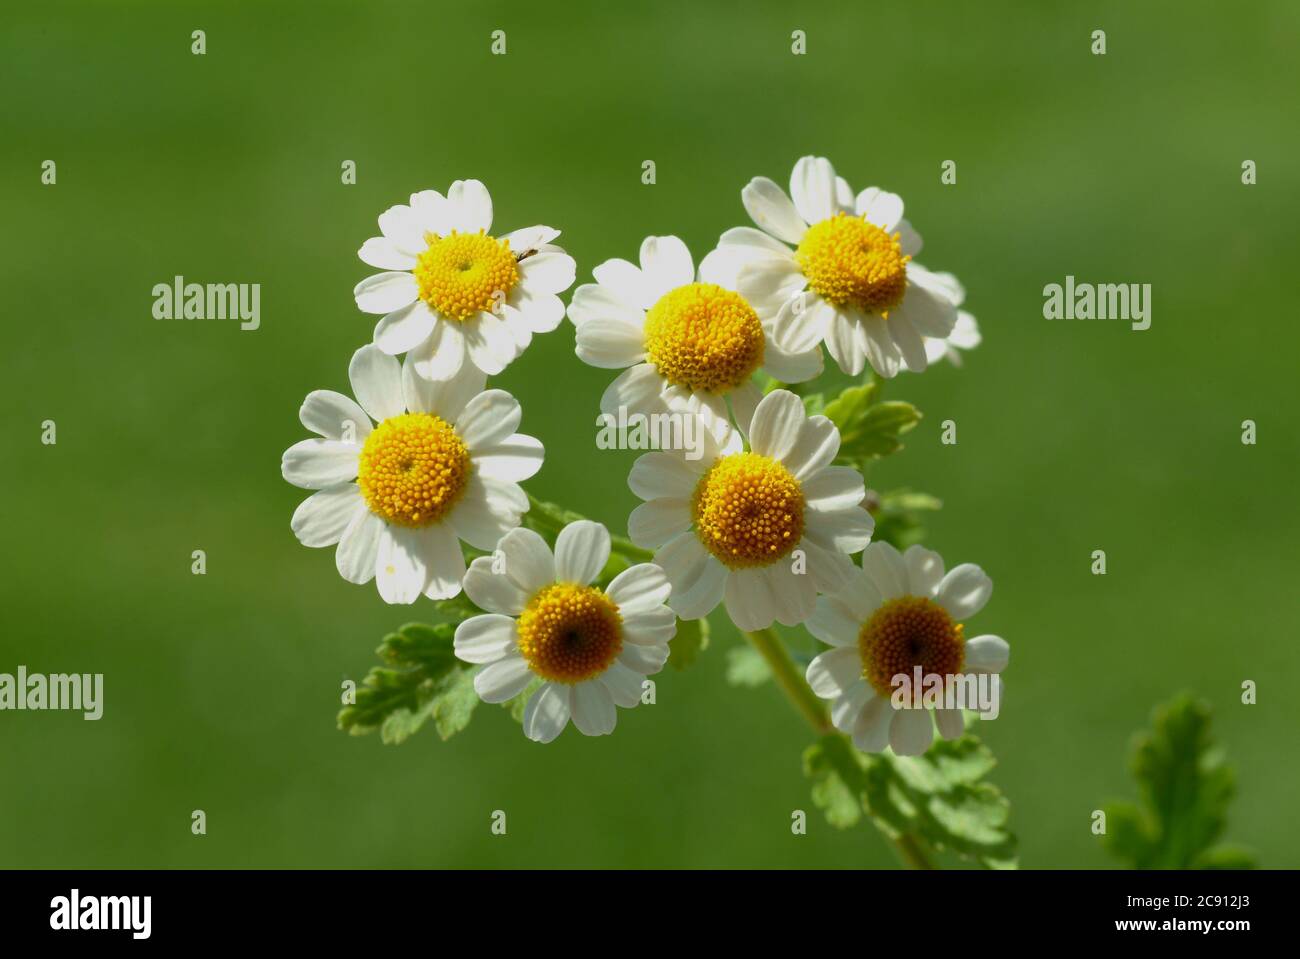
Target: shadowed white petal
[926,306]
[444,398]
[950,722]
[793,595]
[884,565]
[376,382]
[987,654]
[771,210]
[835,487]
[404,329]
[812,187]
[624,684]
[769,282]
[814,450]
[655,626]
[358,547]
[871,729]
[444,561]
[581,552]
[791,367]
[321,518]
[697,578]
[489,343]
[777,423]
[487,510]
[846,709]
[492,591]
[502,680]
[834,671]
[646,660]
[334,416]
[653,524]
[746,237]
[593,709]
[842,530]
[749,600]
[488,419]
[834,622]
[399,566]
[964,591]
[637,388]
[317,463]
[610,344]
[639,589]
[924,570]
[847,345]
[442,355]
[385,292]
[659,474]
[802,323]
[879,346]
[527,559]
[486,638]
[547,713]
[911,732]
[909,342]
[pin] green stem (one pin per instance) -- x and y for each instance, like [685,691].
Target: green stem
[792,682]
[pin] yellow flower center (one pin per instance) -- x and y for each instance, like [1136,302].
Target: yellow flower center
[851,262]
[703,337]
[907,632]
[462,274]
[413,469]
[570,633]
[748,510]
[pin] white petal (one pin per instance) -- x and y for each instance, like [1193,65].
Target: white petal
[846,710]
[358,547]
[964,591]
[488,419]
[547,713]
[951,724]
[698,579]
[625,282]
[655,626]
[646,660]
[442,355]
[831,569]
[581,552]
[624,684]
[639,589]
[986,654]
[748,238]
[514,459]
[769,207]
[489,343]
[880,208]
[871,729]
[376,382]
[659,474]
[471,206]
[666,264]
[836,487]
[924,570]
[444,398]
[317,463]
[444,561]
[770,282]
[334,416]
[505,679]
[432,212]
[879,346]
[403,329]
[653,524]
[928,310]
[527,559]
[610,344]
[749,600]
[792,367]
[834,622]
[385,292]
[802,323]
[593,709]
[400,570]
[400,225]
[793,595]
[909,342]
[383,254]
[541,312]
[884,566]
[487,510]
[529,238]
[486,638]
[637,388]
[814,450]
[911,732]
[321,518]
[598,302]
[495,592]
[545,273]
[812,187]
[834,671]
[777,424]
[847,345]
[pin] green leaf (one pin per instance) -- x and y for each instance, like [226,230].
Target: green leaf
[692,639]
[422,681]
[869,427]
[747,667]
[940,798]
[1184,789]
[898,514]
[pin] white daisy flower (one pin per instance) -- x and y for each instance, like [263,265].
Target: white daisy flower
[454,291]
[592,648]
[406,471]
[848,281]
[965,334]
[896,613]
[676,336]
[762,530]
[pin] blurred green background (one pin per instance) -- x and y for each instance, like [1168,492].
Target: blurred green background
[221,690]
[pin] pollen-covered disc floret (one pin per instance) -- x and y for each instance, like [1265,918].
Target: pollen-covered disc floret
[704,337]
[851,262]
[412,469]
[906,632]
[570,633]
[748,510]
[463,274]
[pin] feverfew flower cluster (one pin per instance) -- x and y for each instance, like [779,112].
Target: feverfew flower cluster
[424,460]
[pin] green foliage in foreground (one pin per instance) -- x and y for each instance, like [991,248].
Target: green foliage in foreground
[1184,788]
[940,798]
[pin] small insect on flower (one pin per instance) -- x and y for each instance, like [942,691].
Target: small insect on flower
[763,529]
[677,337]
[406,471]
[900,616]
[849,280]
[590,648]
[454,293]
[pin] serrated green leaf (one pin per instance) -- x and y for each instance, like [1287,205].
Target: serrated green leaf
[423,681]
[1185,790]
[939,798]
[869,427]
[692,639]
[747,667]
[898,515]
